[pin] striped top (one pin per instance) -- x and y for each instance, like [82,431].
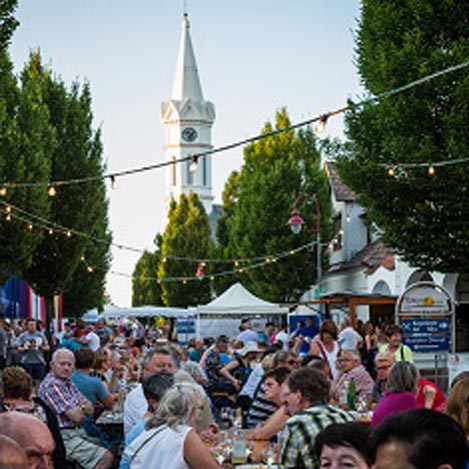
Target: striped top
[261,409]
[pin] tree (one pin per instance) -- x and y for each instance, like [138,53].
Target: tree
[8,22]
[145,288]
[275,171]
[423,217]
[26,139]
[82,208]
[187,234]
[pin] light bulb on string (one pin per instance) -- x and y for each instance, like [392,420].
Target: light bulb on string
[431,170]
[321,125]
[30,226]
[8,209]
[51,191]
[184,281]
[3,191]
[51,231]
[8,217]
[89,269]
[113,182]
[391,172]
[68,234]
[82,258]
[194,164]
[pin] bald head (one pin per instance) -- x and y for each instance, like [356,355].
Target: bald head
[31,435]
[12,455]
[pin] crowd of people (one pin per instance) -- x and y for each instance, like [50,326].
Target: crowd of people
[327,397]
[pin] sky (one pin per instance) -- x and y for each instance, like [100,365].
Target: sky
[254,57]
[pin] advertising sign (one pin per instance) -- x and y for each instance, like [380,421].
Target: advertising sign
[425,312]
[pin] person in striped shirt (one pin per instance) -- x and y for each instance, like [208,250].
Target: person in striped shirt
[305,396]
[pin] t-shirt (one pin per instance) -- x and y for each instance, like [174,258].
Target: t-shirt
[91,387]
[248,336]
[93,341]
[393,403]
[33,344]
[349,339]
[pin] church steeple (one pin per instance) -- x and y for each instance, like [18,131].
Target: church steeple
[188,119]
[186,80]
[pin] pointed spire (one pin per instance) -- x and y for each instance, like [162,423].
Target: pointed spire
[186,80]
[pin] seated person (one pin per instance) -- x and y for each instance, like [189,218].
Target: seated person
[419,438]
[350,366]
[18,396]
[430,396]
[383,365]
[71,407]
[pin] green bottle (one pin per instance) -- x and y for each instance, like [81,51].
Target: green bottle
[352,395]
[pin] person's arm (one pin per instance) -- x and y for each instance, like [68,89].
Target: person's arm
[45,345]
[196,454]
[273,425]
[104,397]
[75,414]
[225,371]
[314,349]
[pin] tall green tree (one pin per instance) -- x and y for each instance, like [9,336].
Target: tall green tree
[275,172]
[423,217]
[26,140]
[187,234]
[8,22]
[78,154]
[146,290]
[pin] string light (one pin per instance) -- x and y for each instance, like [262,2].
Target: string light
[3,191]
[431,171]
[321,125]
[69,234]
[194,163]
[258,137]
[113,182]
[7,217]
[51,191]
[30,226]
[391,172]
[89,269]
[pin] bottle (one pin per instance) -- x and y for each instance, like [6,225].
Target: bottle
[238,454]
[343,395]
[352,395]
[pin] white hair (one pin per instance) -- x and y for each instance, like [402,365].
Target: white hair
[61,351]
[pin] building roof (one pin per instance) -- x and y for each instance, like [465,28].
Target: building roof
[341,191]
[370,258]
[186,80]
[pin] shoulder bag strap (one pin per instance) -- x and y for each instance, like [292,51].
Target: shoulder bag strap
[157,430]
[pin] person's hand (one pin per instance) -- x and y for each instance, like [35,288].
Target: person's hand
[429,393]
[210,434]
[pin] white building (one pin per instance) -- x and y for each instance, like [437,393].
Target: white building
[188,119]
[360,264]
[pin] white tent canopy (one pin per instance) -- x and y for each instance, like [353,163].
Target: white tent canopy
[148,311]
[238,301]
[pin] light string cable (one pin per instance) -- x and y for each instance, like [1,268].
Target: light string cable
[320,118]
[42,223]
[212,276]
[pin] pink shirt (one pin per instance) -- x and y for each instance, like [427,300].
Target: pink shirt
[393,403]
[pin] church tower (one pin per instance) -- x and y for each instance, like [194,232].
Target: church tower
[188,121]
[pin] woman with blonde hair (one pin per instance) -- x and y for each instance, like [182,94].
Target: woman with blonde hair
[170,440]
[457,404]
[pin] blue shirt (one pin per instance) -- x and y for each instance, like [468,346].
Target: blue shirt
[91,387]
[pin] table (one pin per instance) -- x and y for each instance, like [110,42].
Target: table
[110,418]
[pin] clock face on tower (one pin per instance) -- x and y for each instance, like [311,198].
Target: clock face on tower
[189,134]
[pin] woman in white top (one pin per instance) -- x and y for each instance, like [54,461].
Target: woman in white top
[169,440]
[325,345]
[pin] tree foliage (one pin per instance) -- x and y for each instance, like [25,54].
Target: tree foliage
[422,217]
[77,154]
[145,288]
[275,172]
[187,234]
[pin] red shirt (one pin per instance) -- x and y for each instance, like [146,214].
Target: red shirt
[439,403]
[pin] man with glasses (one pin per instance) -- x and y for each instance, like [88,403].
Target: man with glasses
[383,365]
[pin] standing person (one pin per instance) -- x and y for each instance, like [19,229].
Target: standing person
[248,335]
[32,344]
[283,337]
[306,393]
[370,348]
[306,333]
[395,346]
[349,338]
[325,345]
[170,440]
[91,339]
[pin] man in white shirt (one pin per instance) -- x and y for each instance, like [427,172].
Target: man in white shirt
[248,335]
[157,359]
[349,338]
[91,339]
[283,336]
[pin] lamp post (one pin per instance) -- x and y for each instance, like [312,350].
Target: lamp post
[296,223]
